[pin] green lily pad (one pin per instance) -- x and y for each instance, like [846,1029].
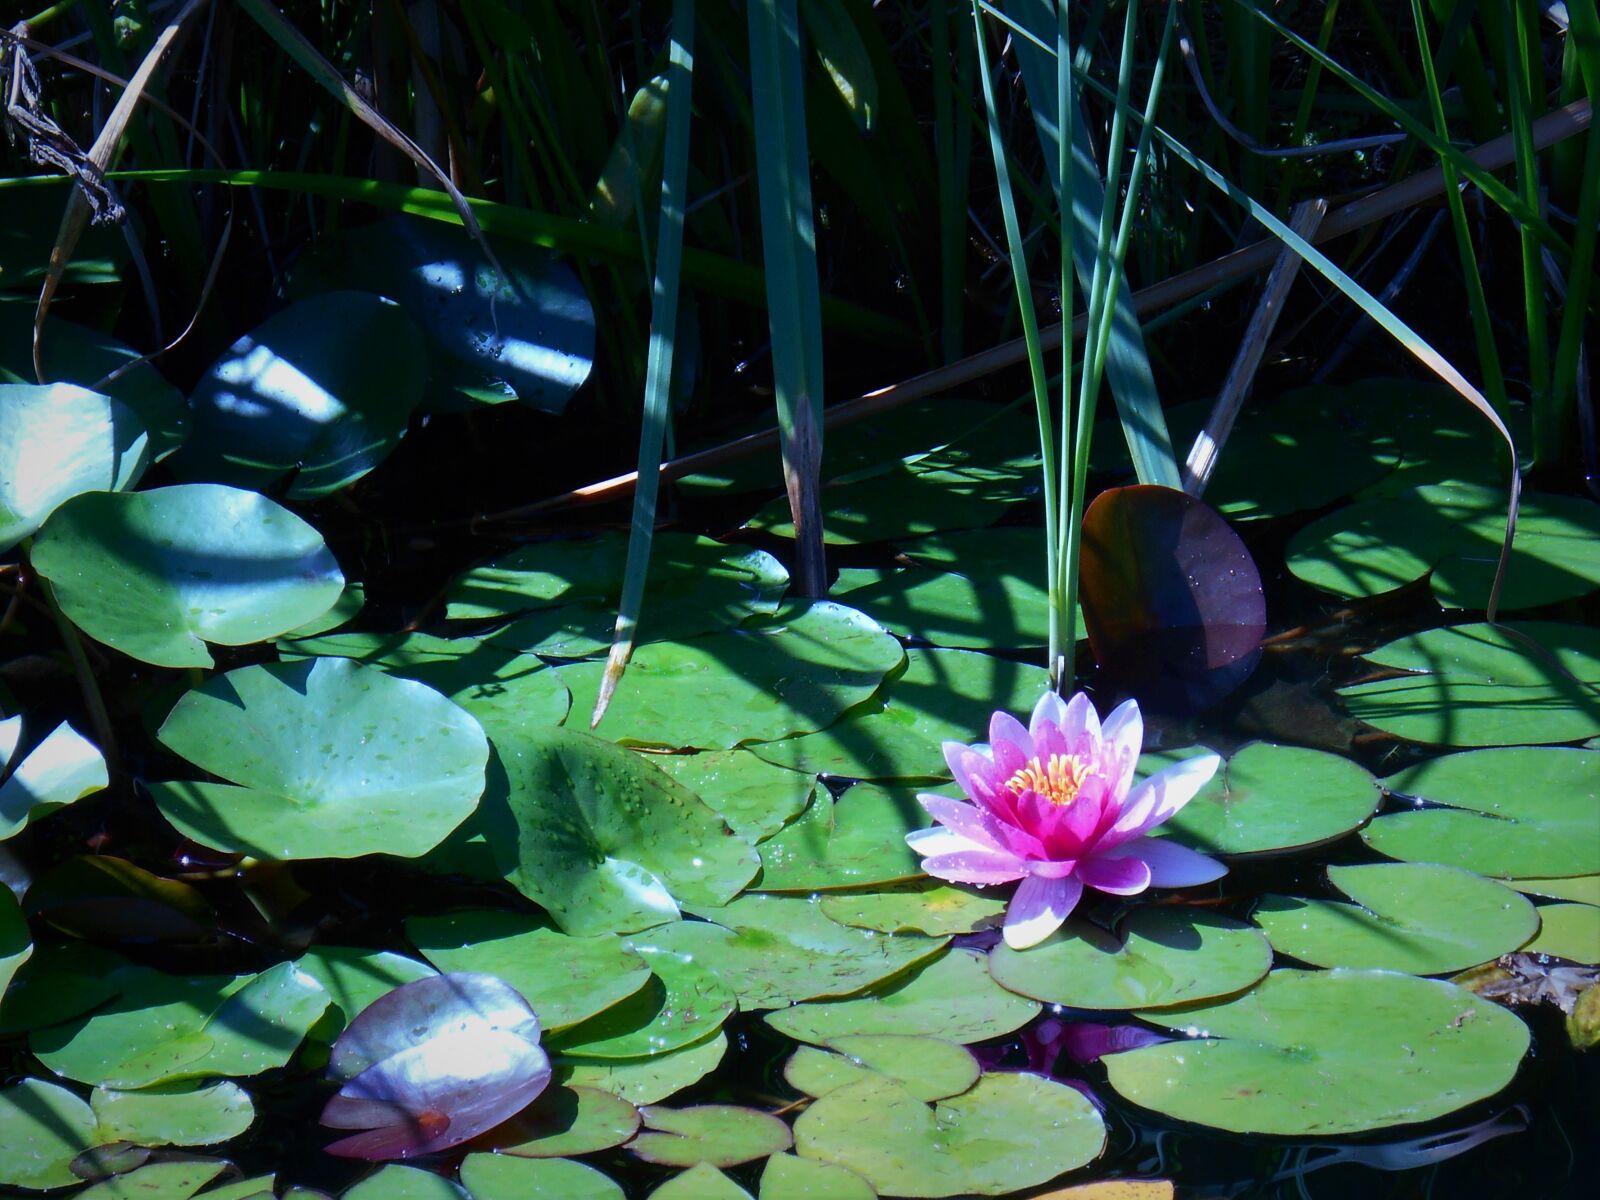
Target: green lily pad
[1419,918]
[157,1181]
[564,979]
[345,609]
[161,1027]
[700,1182]
[286,401]
[506,1177]
[996,612]
[1269,799]
[16,942]
[792,672]
[645,1080]
[1162,957]
[332,759]
[260,1187]
[954,998]
[181,1114]
[928,1068]
[1583,889]
[603,840]
[754,797]
[63,768]
[158,574]
[354,978]
[395,1182]
[531,330]
[722,1135]
[1569,931]
[1008,1133]
[855,841]
[1325,1053]
[567,1121]
[942,695]
[789,1177]
[924,906]
[1478,685]
[43,1127]
[58,440]
[1455,531]
[684,1002]
[57,981]
[773,951]
[1523,811]
[508,693]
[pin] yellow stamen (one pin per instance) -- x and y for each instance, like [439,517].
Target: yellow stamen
[1058,780]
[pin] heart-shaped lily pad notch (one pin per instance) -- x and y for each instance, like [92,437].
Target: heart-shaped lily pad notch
[1325,1053]
[1163,957]
[700,1182]
[603,840]
[160,1028]
[793,672]
[721,1135]
[158,574]
[928,1068]
[1423,919]
[56,441]
[1270,799]
[566,979]
[923,906]
[286,400]
[1455,531]
[566,1121]
[1484,685]
[63,768]
[391,1182]
[855,841]
[684,1002]
[953,997]
[754,797]
[774,951]
[533,329]
[790,1177]
[332,760]
[1008,1133]
[942,695]
[507,1177]
[1490,820]
[645,1080]
[433,1064]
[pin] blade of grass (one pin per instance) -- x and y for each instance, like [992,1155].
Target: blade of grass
[1584,36]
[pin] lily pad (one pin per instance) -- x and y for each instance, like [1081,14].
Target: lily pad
[181,1114]
[506,1177]
[158,574]
[1270,799]
[928,1068]
[354,978]
[58,440]
[858,840]
[157,1181]
[1478,685]
[395,1182]
[954,998]
[945,608]
[61,769]
[287,402]
[1520,811]
[774,951]
[566,979]
[533,329]
[1326,1053]
[789,1177]
[1008,1133]
[1454,531]
[508,693]
[700,1182]
[107,898]
[684,1002]
[754,797]
[793,672]
[722,1135]
[161,1028]
[43,1127]
[567,1121]
[942,695]
[1583,889]
[646,1080]
[59,980]
[1569,931]
[1162,957]
[1419,918]
[332,759]
[16,942]
[925,906]
[603,840]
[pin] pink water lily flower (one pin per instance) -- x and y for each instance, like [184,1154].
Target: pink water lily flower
[1054,805]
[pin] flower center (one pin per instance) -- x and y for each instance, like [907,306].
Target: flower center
[1057,780]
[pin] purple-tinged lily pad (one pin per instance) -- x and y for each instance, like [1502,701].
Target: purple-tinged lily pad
[432,1064]
[1171,598]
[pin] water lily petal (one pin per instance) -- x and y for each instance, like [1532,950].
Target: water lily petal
[1010,744]
[939,840]
[1171,864]
[968,820]
[1038,909]
[1081,728]
[1044,726]
[1119,876]
[1161,797]
[975,866]
[1123,736]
